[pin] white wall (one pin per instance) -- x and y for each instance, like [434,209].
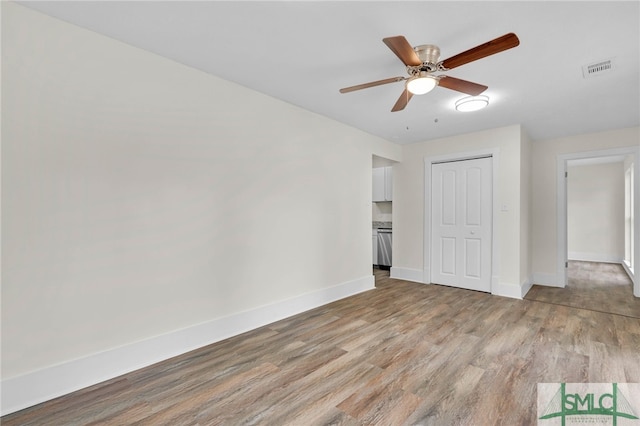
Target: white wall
[409,200]
[595,212]
[544,156]
[525,210]
[143,198]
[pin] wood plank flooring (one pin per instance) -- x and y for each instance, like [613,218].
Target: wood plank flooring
[404,353]
[602,287]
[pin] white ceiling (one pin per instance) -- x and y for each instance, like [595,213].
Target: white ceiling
[303,51]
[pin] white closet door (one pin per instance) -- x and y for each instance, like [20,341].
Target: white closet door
[461,209]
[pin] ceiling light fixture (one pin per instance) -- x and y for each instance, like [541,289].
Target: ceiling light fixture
[472,103]
[421,83]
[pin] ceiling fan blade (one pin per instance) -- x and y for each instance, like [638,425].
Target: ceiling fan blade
[463,86]
[403,50]
[402,101]
[371,84]
[492,47]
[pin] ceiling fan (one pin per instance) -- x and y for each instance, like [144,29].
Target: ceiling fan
[424,60]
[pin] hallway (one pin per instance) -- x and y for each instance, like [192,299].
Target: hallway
[601,287]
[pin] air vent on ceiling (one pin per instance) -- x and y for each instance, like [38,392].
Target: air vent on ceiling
[597,68]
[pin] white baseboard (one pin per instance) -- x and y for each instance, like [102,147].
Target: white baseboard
[526,286]
[594,257]
[503,289]
[549,280]
[407,274]
[506,290]
[627,269]
[42,385]
[632,276]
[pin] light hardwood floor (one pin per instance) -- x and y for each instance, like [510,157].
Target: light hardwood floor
[602,287]
[404,353]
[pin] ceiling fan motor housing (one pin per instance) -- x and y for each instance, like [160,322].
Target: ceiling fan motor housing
[429,55]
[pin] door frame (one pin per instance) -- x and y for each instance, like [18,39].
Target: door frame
[494,153]
[562,256]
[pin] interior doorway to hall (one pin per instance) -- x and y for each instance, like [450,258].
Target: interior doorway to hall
[599,237]
[631,257]
[596,209]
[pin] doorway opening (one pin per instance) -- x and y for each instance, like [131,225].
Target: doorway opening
[610,224]
[382,213]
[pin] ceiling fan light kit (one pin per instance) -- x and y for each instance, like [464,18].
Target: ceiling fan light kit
[472,103]
[423,61]
[421,83]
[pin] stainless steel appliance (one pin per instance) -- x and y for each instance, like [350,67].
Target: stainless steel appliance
[384,248]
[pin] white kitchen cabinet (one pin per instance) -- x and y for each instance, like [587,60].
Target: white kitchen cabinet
[382,184]
[374,240]
[378,184]
[388,183]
